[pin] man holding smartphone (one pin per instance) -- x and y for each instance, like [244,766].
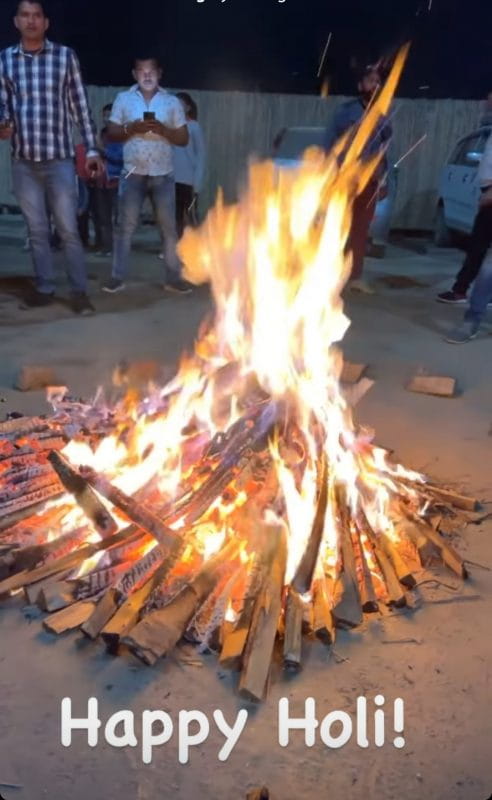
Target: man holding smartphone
[148,120]
[41,96]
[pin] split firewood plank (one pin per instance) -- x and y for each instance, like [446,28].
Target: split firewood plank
[22,425]
[453,498]
[57,595]
[84,495]
[432,384]
[24,503]
[451,558]
[352,373]
[127,615]
[32,593]
[403,572]
[347,606]
[159,632]
[303,577]
[366,588]
[70,617]
[261,637]
[27,577]
[235,636]
[323,623]
[294,614]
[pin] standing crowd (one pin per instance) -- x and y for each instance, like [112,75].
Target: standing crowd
[150,146]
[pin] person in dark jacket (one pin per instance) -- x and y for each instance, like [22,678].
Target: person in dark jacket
[348,116]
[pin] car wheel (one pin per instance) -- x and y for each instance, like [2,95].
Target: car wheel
[442,235]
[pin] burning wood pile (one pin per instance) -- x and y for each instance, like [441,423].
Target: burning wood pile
[239,506]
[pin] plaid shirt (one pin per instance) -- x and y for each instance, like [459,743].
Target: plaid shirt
[42,94]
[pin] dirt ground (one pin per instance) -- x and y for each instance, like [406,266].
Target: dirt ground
[437,658]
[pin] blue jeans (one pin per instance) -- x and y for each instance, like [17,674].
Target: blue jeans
[482,292]
[133,191]
[51,185]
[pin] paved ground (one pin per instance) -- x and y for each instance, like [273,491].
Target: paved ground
[445,680]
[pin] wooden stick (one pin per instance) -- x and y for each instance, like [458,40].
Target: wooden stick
[135,511]
[403,573]
[261,638]
[84,495]
[451,558]
[21,426]
[366,587]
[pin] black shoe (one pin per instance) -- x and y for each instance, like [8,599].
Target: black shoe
[37,299]
[451,298]
[179,286]
[113,285]
[82,305]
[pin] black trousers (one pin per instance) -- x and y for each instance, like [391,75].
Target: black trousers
[184,199]
[480,241]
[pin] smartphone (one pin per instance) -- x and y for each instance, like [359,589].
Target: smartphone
[148,115]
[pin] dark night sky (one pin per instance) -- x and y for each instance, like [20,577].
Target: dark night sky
[270,46]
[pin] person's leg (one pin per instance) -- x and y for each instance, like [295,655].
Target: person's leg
[62,194]
[94,216]
[362,214]
[184,198]
[29,188]
[481,296]
[482,292]
[480,241]
[132,194]
[163,196]
[104,210]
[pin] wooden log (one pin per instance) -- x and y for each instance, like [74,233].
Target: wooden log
[396,595]
[22,425]
[432,384]
[70,617]
[323,624]
[158,632]
[261,637]
[27,577]
[37,555]
[126,617]
[303,577]
[38,447]
[31,519]
[13,491]
[292,647]
[83,494]
[135,511]
[98,580]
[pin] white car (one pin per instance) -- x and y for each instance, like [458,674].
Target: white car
[459,190]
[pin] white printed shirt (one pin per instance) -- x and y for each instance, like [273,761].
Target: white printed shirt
[148,154]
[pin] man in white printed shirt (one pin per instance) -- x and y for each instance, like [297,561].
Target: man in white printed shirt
[148,121]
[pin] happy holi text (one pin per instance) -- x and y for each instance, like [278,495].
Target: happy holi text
[369,724]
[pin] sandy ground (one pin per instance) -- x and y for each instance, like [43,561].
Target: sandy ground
[444,677]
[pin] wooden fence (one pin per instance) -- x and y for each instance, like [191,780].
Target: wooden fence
[239,125]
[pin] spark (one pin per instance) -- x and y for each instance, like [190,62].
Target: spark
[324,54]
[413,147]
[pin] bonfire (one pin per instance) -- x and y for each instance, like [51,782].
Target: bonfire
[240,506]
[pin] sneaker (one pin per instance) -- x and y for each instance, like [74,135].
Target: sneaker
[113,285]
[37,299]
[451,297]
[81,304]
[464,333]
[179,286]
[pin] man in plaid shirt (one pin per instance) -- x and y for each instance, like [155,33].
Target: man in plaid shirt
[41,95]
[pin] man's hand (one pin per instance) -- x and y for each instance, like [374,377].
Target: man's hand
[154,126]
[486,197]
[6,130]
[94,166]
[140,127]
